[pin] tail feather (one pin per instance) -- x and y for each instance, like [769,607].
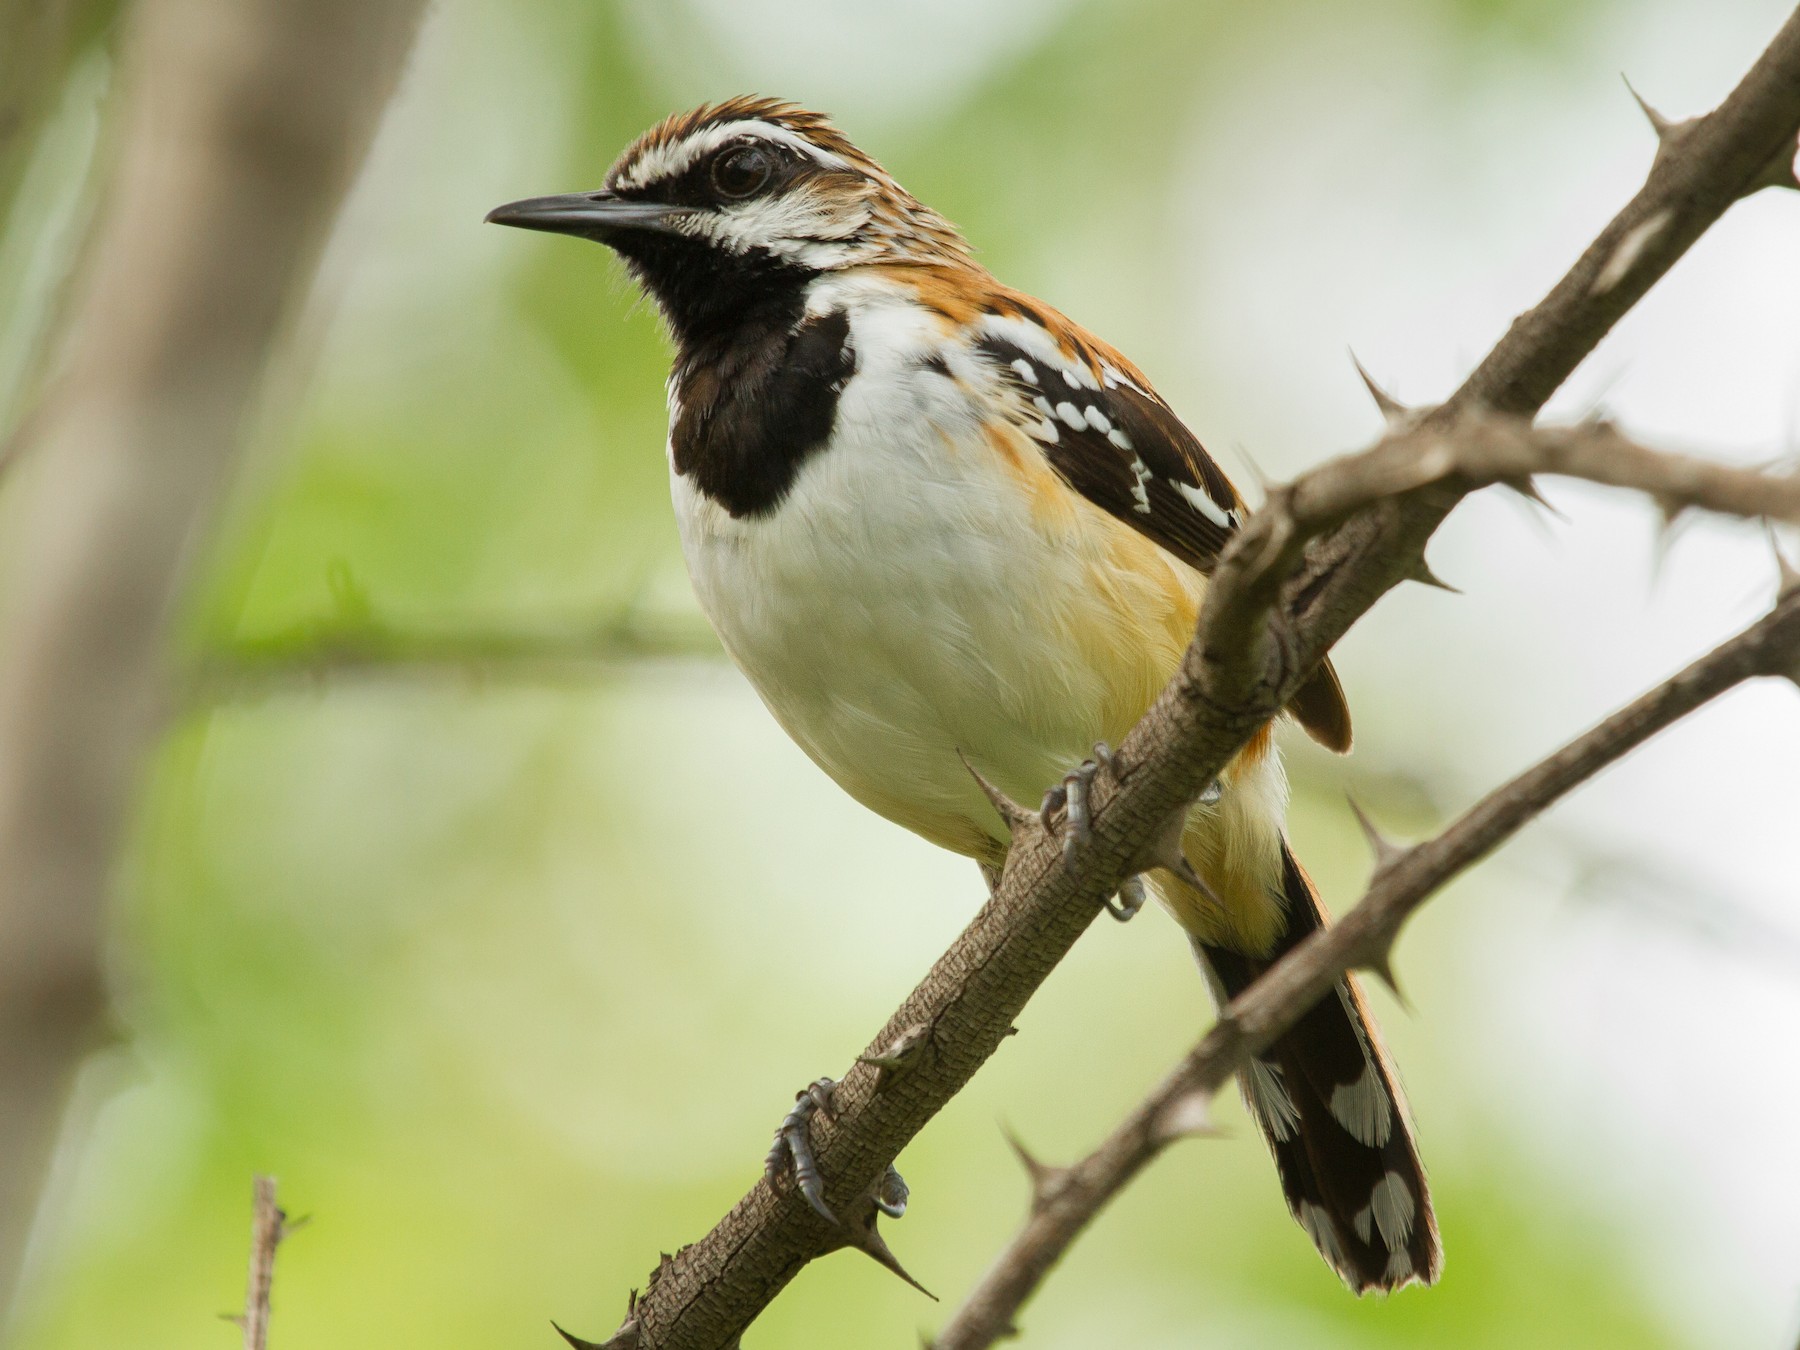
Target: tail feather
[1329,1104]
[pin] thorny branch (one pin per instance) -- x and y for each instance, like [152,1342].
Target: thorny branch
[1262,634]
[1066,1200]
[269,1227]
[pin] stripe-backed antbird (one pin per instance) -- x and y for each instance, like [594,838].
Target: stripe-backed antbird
[940,527]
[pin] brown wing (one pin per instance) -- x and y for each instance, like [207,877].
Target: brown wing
[1119,445]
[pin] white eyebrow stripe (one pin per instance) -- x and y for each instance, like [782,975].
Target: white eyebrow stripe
[669,161]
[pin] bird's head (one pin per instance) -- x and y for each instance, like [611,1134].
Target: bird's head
[723,208]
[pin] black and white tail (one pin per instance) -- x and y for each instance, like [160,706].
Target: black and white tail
[1327,1101]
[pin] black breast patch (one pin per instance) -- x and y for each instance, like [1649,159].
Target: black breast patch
[1126,452]
[755,406]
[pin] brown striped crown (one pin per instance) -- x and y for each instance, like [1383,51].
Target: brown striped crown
[827,204]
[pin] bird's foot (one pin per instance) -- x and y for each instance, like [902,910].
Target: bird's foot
[1071,798]
[1131,897]
[792,1154]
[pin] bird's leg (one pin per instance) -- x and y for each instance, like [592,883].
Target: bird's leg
[793,1151]
[1071,798]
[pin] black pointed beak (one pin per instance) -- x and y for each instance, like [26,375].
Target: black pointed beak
[592,215]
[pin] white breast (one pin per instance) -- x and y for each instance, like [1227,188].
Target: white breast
[904,603]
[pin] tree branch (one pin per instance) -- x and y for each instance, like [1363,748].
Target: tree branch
[268,1228]
[1067,1200]
[316,655]
[1240,671]
[243,122]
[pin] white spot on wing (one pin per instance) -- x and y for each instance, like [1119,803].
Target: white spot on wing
[1362,1108]
[1097,419]
[1205,505]
[1115,377]
[1119,439]
[1026,371]
[1072,415]
[1364,1223]
[1137,488]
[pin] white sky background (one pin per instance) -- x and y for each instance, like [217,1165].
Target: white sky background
[1656,1065]
[1411,216]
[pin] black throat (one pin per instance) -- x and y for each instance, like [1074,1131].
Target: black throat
[756,383]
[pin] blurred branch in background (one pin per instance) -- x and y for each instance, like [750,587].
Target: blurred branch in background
[1065,1200]
[357,644]
[269,1228]
[1292,581]
[244,121]
[40,41]
[366,647]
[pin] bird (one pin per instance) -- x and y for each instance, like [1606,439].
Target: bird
[958,544]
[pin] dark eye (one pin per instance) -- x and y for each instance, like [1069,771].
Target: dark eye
[740,172]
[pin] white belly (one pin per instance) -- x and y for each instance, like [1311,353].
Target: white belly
[906,601]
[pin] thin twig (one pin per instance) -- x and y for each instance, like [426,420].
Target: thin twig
[268,1226]
[1404,880]
[707,1293]
[328,655]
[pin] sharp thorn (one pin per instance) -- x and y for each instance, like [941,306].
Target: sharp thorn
[1045,1179]
[1261,475]
[1528,489]
[1381,966]
[1165,851]
[1385,852]
[1421,572]
[867,1239]
[1011,813]
[625,1338]
[902,1052]
[1393,411]
[1669,508]
[1658,123]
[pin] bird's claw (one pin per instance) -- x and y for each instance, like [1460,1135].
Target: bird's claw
[1132,895]
[792,1148]
[891,1193]
[1071,797]
[792,1152]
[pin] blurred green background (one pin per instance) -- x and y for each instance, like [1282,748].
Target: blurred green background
[508,974]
